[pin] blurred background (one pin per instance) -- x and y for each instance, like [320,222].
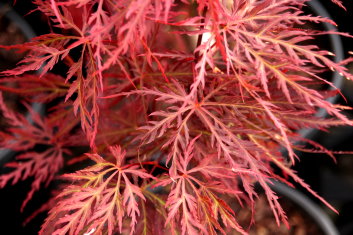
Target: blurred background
[333,181]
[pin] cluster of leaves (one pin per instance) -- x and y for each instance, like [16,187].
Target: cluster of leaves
[203,95]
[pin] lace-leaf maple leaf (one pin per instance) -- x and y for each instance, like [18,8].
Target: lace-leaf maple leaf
[192,201]
[22,135]
[259,50]
[102,197]
[34,88]
[43,53]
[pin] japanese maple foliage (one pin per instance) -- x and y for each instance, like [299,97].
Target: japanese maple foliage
[182,106]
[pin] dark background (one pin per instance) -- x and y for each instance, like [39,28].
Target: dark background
[333,181]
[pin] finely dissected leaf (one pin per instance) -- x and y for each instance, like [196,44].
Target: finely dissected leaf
[42,166]
[22,136]
[44,52]
[36,89]
[104,195]
[190,194]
